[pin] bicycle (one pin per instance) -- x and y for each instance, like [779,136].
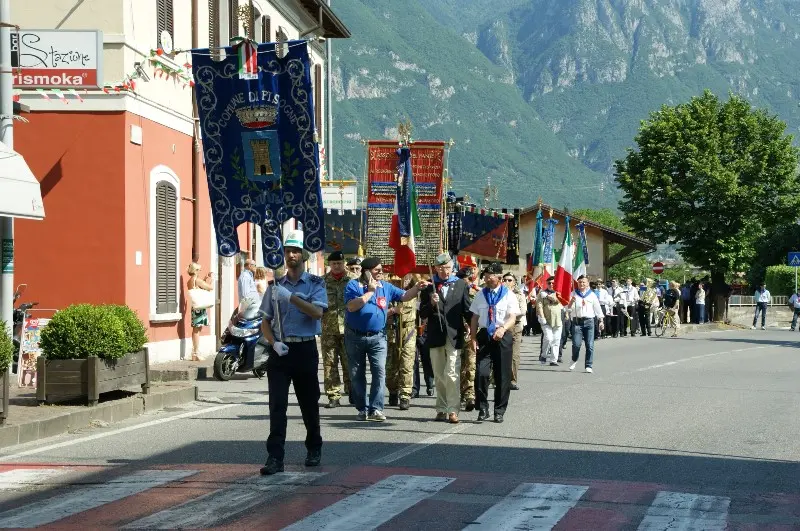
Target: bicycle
[666,320]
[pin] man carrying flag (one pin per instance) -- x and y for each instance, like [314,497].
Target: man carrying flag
[406,227]
[563,282]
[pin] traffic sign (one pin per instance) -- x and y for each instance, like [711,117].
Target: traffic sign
[794,259]
[658,267]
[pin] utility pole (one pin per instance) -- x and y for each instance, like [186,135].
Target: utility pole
[328,107]
[7,137]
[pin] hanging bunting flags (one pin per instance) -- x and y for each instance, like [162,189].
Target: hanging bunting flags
[261,161]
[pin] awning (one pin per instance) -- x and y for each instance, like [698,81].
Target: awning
[20,194]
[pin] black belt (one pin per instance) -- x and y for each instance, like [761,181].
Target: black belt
[365,334]
[583,319]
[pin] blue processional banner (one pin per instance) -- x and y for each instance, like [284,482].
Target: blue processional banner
[262,162]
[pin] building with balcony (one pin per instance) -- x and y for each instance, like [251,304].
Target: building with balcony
[124,215]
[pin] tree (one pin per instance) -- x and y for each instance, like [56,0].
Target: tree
[713,177]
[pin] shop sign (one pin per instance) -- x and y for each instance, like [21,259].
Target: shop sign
[60,59]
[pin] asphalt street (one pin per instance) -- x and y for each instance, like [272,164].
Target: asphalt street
[710,418]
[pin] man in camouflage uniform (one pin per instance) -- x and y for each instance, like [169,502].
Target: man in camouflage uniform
[401,336]
[468,355]
[333,331]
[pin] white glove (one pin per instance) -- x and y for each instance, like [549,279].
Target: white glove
[281,293]
[281,349]
[542,321]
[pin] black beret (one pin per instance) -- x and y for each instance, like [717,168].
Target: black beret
[370,262]
[336,256]
[354,261]
[495,268]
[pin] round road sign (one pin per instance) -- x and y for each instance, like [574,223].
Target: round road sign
[658,268]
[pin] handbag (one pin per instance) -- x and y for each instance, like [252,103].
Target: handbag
[200,298]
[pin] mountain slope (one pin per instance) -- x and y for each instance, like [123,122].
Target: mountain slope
[402,62]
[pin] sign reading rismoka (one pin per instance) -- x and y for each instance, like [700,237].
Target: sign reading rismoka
[61,59]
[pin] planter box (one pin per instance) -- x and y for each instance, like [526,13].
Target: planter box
[60,380]
[4,395]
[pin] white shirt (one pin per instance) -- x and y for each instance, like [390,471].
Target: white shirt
[508,304]
[762,296]
[795,300]
[629,295]
[605,298]
[587,306]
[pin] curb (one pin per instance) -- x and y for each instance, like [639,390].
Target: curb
[181,375]
[109,412]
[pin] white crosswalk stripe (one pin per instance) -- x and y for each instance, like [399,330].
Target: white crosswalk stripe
[27,477]
[689,512]
[71,503]
[375,505]
[537,506]
[214,508]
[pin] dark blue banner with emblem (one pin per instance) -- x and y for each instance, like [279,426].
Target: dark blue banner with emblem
[257,123]
[485,233]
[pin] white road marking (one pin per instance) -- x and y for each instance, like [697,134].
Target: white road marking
[375,505]
[117,431]
[690,512]
[61,506]
[26,477]
[417,446]
[532,506]
[701,356]
[212,509]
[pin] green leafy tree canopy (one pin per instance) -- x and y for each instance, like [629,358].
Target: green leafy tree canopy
[711,176]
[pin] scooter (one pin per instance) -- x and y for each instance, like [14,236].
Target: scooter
[21,314]
[241,351]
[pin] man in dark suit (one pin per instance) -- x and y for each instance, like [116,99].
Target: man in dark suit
[445,304]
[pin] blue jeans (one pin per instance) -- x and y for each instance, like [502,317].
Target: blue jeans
[795,313]
[360,350]
[701,313]
[762,308]
[583,331]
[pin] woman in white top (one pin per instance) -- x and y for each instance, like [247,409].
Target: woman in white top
[260,277]
[199,316]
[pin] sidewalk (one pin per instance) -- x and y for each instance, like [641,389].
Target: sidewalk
[28,421]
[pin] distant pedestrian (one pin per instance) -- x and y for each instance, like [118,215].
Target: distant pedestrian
[762,298]
[549,312]
[794,305]
[199,315]
[700,304]
[247,282]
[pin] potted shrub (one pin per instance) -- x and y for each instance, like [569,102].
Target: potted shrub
[88,350]
[6,357]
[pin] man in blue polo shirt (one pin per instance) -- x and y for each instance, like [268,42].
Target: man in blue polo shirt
[367,300]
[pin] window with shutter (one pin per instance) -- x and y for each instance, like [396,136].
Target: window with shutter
[318,97]
[166,248]
[165,20]
[266,29]
[233,18]
[280,37]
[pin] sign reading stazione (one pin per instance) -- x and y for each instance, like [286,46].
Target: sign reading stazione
[57,59]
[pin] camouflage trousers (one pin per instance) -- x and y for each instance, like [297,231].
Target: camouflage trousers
[400,365]
[333,353]
[468,369]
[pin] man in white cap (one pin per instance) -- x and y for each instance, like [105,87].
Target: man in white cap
[300,299]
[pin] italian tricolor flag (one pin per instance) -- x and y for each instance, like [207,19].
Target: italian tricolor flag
[563,281]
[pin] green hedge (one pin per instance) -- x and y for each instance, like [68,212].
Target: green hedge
[780,280]
[84,330]
[6,349]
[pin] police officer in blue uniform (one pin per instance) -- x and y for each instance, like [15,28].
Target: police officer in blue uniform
[292,309]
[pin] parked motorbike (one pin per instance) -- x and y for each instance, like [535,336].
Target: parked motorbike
[21,314]
[241,351]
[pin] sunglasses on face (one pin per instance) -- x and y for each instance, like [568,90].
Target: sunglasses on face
[508,280]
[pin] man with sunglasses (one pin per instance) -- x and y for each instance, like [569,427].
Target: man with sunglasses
[354,267]
[367,300]
[511,283]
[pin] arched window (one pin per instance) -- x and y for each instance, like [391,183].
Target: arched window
[164,239]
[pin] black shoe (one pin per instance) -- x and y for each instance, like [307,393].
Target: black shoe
[553,364]
[514,387]
[393,400]
[430,392]
[334,402]
[469,404]
[272,466]
[405,403]
[498,418]
[415,393]
[314,457]
[483,414]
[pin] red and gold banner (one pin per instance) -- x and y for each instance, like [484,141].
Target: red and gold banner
[427,165]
